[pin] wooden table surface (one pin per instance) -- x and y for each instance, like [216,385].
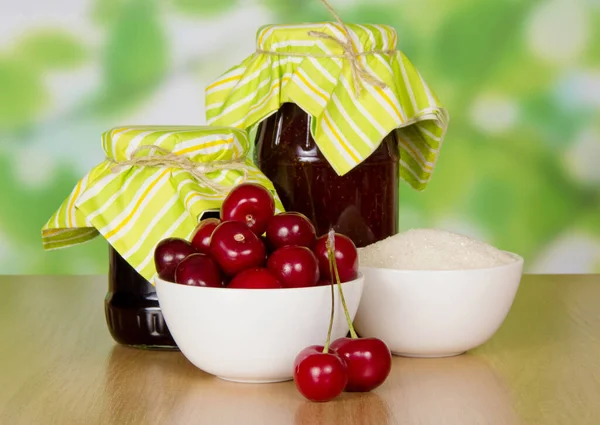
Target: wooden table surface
[60,366]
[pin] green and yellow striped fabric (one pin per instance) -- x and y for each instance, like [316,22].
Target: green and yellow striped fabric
[134,207]
[291,65]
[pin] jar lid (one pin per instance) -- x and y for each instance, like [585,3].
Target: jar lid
[351,80]
[156,182]
[199,144]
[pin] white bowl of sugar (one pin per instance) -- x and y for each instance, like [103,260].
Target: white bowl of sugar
[432,293]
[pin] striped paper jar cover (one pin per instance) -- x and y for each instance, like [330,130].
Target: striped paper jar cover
[315,66]
[134,207]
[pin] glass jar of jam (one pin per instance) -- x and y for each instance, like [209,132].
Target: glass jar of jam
[362,204]
[134,203]
[133,314]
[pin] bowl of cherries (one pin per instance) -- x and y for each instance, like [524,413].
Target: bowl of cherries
[251,290]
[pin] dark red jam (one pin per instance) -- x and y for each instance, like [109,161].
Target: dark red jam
[132,311]
[363,204]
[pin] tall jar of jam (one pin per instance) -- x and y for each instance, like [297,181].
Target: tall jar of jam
[155,182]
[341,116]
[362,204]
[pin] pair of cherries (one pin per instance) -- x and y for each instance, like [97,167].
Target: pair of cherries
[322,373]
[251,248]
[350,364]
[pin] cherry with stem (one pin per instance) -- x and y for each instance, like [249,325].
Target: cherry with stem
[320,373]
[369,360]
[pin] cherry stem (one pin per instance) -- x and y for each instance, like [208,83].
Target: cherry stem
[339,285]
[328,340]
[333,265]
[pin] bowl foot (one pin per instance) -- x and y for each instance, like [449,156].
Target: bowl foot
[253,381]
[427,356]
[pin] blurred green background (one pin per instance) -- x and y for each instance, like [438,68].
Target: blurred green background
[520,168]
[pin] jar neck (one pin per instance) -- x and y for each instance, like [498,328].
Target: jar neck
[286,136]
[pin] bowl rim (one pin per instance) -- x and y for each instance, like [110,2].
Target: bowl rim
[518,261]
[359,278]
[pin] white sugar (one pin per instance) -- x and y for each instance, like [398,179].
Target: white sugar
[432,249]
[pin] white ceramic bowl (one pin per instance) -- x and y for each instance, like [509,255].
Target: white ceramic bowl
[252,335]
[425,313]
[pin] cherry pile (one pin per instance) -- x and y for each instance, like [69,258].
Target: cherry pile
[250,247]
[354,364]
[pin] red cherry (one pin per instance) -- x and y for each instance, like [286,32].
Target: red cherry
[202,234]
[346,257]
[294,266]
[236,248]
[251,204]
[369,362]
[290,228]
[319,376]
[198,270]
[168,254]
[257,278]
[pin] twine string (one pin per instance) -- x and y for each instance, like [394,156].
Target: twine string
[358,70]
[156,156]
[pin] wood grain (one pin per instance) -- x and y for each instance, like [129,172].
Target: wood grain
[60,366]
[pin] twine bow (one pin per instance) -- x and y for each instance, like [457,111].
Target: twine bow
[160,157]
[358,70]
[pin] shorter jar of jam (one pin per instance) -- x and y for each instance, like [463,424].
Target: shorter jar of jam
[133,314]
[139,195]
[362,204]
